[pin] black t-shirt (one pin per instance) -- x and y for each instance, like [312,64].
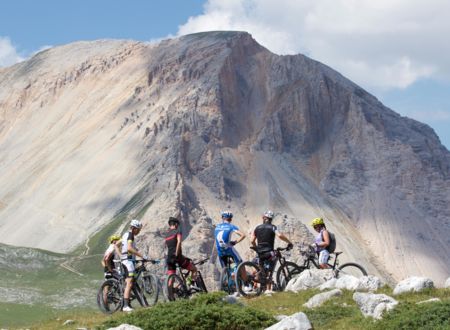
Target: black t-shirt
[265,236]
[172,237]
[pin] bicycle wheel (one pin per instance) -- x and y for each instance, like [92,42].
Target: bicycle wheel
[286,273]
[200,283]
[227,283]
[151,288]
[176,289]
[138,294]
[352,269]
[109,297]
[249,279]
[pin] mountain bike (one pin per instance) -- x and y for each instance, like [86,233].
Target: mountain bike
[227,276]
[253,277]
[178,286]
[349,268]
[145,288]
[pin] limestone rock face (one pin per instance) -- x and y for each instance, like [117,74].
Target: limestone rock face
[96,133]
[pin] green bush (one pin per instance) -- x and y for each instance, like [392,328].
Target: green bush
[206,311]
[427,316]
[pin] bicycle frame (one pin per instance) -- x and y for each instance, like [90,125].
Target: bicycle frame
[312,257]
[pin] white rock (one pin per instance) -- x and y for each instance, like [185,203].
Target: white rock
[413,284]
[68,322]
[280,317]
[310,278]
[369,283]
[374,304]
[429,301]
[297,321]
[320,298]
[231,299]
[330,284]
[347,282]
[125,327]
[447,283]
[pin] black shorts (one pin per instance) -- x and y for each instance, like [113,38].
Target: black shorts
[184,263]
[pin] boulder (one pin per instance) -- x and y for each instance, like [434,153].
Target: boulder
[447,283]
[320,298]
[310,278]
[374,305]
[369,283]
[347,282]
[413,284]
[330,284]
[231,299]
[297,321]
[125,327]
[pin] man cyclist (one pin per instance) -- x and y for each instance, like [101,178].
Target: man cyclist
[321,242]
[111,253]
[129,252]
[174,253]
[263,239]
[224,244]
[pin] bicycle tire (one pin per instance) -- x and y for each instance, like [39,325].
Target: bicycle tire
[201,283]
[286,272]
[351,268]
[113,301]
[250,286]
[176,288]
[139,295]
[151,288]
[227,284]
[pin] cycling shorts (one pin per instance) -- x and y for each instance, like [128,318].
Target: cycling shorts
[324,255]
[129,267]
[230,252]
[184,263]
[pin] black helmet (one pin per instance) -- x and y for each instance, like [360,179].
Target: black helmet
[173,221]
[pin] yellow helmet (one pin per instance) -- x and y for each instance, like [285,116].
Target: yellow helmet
[114,238]
[317,221]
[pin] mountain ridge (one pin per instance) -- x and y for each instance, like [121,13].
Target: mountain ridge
[210,121]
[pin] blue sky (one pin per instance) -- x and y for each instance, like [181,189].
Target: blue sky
[396,49]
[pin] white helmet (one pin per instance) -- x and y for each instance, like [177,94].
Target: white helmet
[268,214]
[136,224]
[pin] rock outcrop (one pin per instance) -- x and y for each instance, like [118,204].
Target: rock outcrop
[95,133]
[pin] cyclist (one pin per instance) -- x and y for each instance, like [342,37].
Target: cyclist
[129,253]
[111,253]
[174,253]
[263,239]
[224,244]
[322,242]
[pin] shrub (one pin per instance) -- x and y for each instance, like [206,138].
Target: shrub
[206,311]
[432,316]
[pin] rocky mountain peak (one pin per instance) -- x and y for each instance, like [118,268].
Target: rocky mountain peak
[93,134]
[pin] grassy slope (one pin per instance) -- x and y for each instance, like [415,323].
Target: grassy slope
[36,277]
[338,313]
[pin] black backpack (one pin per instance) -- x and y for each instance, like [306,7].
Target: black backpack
[332,246]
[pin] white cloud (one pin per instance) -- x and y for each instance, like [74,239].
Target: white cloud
[8,53]
[378,44]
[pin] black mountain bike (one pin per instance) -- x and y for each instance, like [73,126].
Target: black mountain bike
[349,268]
[145,288]
[253,277]
[178,286]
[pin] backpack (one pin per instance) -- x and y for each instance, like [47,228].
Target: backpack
[332,246]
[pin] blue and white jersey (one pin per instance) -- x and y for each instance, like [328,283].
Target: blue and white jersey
[222,234]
